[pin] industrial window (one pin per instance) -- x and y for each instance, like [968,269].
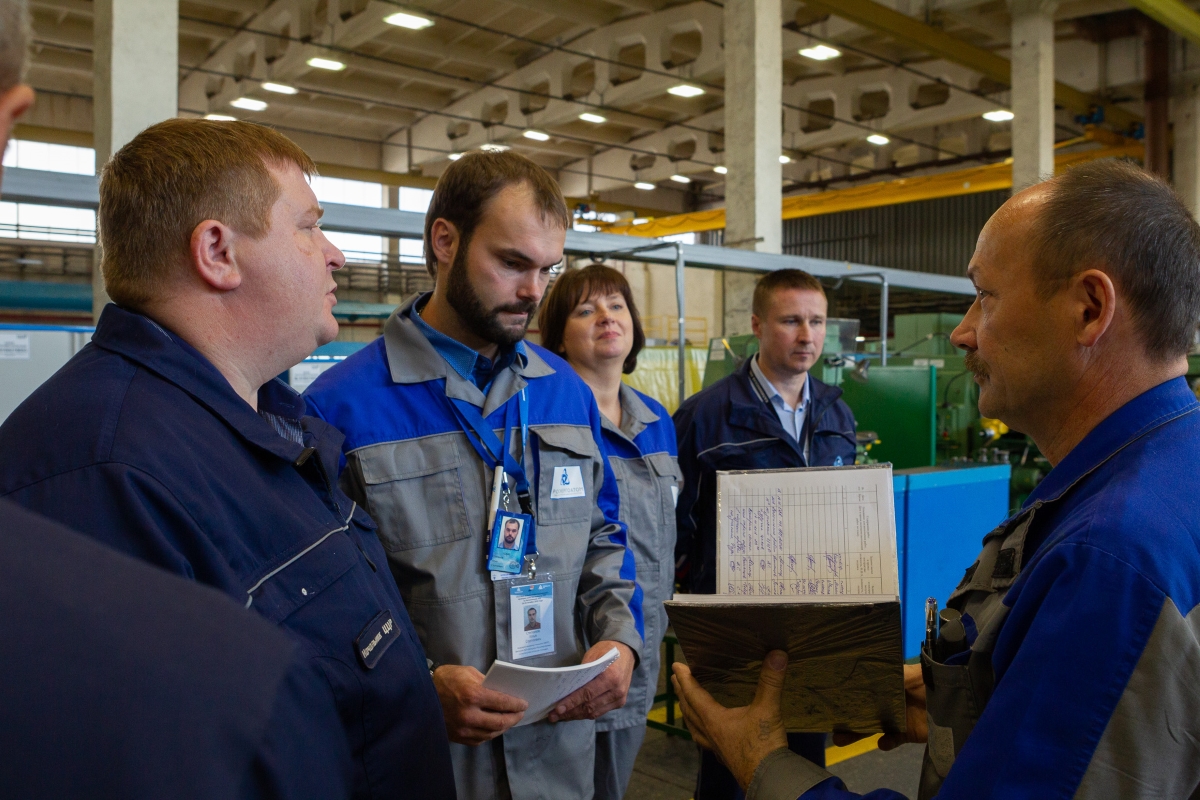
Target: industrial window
[48,223]
[356,246]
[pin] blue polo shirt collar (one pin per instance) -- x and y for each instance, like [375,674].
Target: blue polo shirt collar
[467,363]
[1141,415]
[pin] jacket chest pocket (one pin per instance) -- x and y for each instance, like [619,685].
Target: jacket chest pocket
[828,445]
[766,453]
[665,469]
[415,491]
[297,581]
[566,460]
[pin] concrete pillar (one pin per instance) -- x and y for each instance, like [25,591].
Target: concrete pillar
[1032,91]
[1156,43]
[136,84]
[753,125]
[737,298]
[1186,115]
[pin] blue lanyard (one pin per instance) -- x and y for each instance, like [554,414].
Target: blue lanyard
[491,449]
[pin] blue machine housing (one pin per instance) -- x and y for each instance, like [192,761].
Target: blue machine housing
[942,515]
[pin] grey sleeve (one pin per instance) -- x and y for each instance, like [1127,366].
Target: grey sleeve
[1151,744]
[783,775]
[608,580]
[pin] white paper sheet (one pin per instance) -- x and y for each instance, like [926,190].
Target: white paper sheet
[821,535]
[542,687]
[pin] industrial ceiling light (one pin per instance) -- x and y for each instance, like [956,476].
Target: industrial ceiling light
[537,136]
[681,179]
[685,90]
[820,52]
[720,170]
[785,160]
[454,156]
[645,187]
[587,116]
[248,104]
[640,220]
[326,63]
[279,88]
[999,115]
[492,147]
[220,118]
[410,21]
[878,138]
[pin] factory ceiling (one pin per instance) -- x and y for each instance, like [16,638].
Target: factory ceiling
[605,93]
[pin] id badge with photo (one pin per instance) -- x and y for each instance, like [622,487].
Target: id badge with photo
[531,617]
[511,533]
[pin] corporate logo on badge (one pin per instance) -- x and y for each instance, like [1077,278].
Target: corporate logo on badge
[567,482]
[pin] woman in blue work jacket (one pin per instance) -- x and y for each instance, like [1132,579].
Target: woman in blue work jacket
[589,318]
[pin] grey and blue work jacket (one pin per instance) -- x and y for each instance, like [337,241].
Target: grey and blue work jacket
[410,463]
[1083,674]
[141,443]
[732,425]
[642,455]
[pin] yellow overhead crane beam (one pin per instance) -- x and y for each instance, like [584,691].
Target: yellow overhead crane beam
[1172,13]
[904,28]
[988,178]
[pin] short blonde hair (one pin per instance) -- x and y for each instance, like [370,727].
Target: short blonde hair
[169,179]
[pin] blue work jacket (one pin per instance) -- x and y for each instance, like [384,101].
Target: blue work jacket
[1095,640]
[410,462]
[91,708]
[732,425]
[139,442]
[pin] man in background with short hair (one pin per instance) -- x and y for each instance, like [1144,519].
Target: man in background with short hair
[769,414]
[169,438]
[421,407]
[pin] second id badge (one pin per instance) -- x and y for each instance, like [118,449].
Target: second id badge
[531,617]
[510,538]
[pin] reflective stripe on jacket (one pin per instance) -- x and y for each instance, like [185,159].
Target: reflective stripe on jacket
[410,464]
[140,443]
[642,455]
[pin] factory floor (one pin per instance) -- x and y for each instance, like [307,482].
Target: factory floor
[666,769]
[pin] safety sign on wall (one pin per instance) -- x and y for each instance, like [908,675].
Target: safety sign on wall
[14,345]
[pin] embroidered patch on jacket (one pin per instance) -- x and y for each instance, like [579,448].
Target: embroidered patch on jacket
[567,482]
[376,638]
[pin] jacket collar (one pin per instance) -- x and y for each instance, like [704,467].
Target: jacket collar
[635,415]
[750,408]
[1141,415]
[167,355]
[412,359]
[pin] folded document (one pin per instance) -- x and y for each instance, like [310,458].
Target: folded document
[543,687]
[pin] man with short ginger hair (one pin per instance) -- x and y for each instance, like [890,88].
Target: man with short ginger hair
[170,438]
[1078,674]
[771,413]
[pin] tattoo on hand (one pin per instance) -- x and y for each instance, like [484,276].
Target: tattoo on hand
[764,730]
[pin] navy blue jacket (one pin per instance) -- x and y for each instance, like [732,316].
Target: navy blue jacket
[121,680]
[141,443]
[731,425]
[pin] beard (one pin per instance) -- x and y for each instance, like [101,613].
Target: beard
[482,321]
[975,364]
